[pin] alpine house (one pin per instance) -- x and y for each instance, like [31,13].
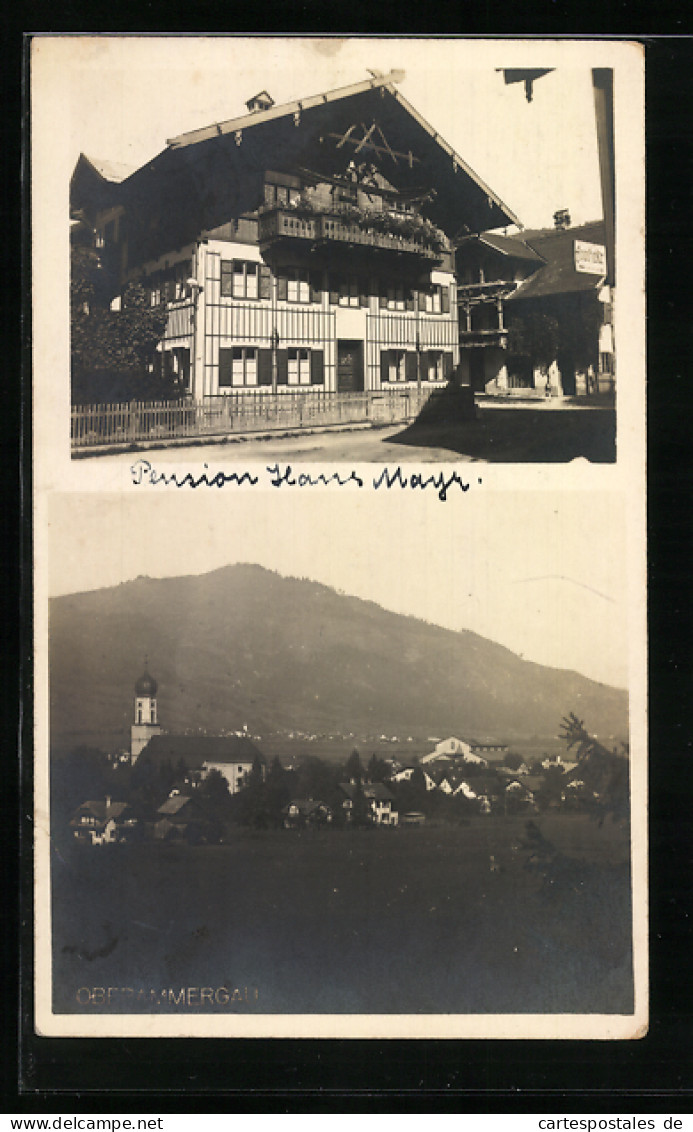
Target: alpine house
[302,246]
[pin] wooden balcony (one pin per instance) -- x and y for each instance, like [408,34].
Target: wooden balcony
[280,225]
[496,337]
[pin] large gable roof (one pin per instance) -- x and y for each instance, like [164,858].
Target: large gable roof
[195,750]
[303,127]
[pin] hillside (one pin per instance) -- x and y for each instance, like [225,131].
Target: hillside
[243,645]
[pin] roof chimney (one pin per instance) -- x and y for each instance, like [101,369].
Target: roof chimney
[561,218]
[261,101]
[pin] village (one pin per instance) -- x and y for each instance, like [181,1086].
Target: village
[191,788]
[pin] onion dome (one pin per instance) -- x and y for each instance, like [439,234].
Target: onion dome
[146,685]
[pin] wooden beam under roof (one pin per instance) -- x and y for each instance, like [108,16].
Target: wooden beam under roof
[283,111]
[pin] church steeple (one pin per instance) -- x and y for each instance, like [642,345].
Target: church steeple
[145,723]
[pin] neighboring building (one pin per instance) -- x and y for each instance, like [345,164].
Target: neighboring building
[302,812]
[303,246]
[378,798]
[560,272]
[468,750]
[233,756]
[183,818]
[102,822]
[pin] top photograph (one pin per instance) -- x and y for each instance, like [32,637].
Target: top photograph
[267,262]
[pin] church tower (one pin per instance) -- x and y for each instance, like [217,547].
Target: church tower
[145,721]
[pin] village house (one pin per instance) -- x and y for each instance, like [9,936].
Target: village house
[466,750]
[378,799]
[560,272]
[301,812]
[298,247]
[102,822]
[182,817]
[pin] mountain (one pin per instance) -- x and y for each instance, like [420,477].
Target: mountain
[243,645]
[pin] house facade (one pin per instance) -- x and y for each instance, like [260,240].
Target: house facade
[378,800]
[298,247]
[558,272]
[232,756]
[102,822]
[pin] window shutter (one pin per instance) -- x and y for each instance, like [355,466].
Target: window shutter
[363,292]
[334,290]
[410,366]
[225,367]
[445,299]
[316,368]
[315,287]
[282,367]
[447,365]
[265,284]
[410,301]
[264,367]
[384,366]
[282,288]
[422,300]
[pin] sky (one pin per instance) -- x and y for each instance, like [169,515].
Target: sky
[127,95]
[540,572]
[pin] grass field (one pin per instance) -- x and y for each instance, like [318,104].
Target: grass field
[375,921]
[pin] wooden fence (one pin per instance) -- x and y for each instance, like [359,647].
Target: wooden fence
[238,412]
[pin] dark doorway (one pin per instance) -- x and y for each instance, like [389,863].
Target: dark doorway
[349,366]
[477,371]
[566,365]
[520,373]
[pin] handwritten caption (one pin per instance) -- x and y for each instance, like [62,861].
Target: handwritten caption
[143,472]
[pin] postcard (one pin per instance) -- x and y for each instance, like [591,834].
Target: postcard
[339,516]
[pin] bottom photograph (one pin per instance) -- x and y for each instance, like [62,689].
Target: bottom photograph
[315,760]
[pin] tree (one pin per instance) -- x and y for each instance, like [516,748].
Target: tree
[257,773]
[580,321]
[360,811]
[111,349]
[378,770]
[513,760]
[534,336]
[552,787]
[354,767]
[605,773]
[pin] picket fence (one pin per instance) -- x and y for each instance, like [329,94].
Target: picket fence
[238,412]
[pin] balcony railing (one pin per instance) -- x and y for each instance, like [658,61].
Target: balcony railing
[287,223]
[495,337]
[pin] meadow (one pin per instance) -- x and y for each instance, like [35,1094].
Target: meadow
[432,919]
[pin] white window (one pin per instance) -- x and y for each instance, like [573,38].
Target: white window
[299,367]
[244,369]
[434,366]
[395,298]
[349,293]
[239,279]
[298,286]
[396,368]
[433,301]
[237,367]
